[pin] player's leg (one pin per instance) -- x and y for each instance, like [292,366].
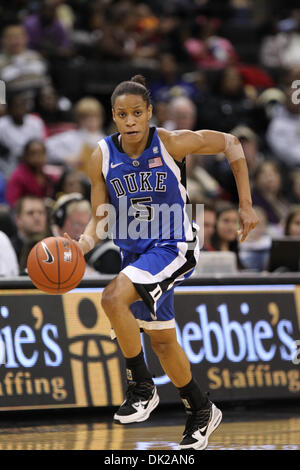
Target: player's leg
[141,396]
[117,297]
[203,415]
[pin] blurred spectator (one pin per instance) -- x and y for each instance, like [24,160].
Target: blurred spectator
[171,85]
[209,227]
[255,250]
[160,115]
[219,168]
[267,193]
[72,181]
[202,187]
[7,224]
[30,177]
[16,129]
[31,221]
[183,114]
[231,104]
[21,69]
[266,104]
[225,236]
[294,195]
[283,134]
[71,214]
[89,29]
[74,147]
[292,222]
[271,45]
[8,260]
[206,48]
[46,33]
[281,46]
[55,111]
[105,258]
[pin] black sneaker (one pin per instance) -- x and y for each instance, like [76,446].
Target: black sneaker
[141,399]
[199,426]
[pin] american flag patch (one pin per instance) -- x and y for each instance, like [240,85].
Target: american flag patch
[154,162]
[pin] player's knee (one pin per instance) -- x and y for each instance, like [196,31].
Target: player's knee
[110,301]
[161,348]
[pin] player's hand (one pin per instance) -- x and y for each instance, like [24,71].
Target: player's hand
[248,221]
[67,236]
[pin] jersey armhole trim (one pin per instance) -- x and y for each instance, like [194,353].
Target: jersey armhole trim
[105,157]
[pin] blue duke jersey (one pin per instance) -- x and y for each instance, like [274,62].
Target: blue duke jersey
[148,195]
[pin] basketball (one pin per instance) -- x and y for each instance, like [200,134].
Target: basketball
[55,265]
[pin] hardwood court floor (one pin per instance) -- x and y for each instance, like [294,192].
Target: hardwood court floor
[240,430]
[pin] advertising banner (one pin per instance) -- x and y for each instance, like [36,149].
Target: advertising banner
[57,352]
[243,342]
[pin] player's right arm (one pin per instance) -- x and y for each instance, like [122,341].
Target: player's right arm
[99,196]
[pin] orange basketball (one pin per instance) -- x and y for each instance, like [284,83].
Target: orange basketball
[55,265]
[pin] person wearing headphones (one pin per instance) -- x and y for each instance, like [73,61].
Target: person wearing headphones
[71,214]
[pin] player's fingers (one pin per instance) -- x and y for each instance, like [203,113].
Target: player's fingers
[66,235]
[245,231]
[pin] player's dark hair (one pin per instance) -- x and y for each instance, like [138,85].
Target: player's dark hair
[135,86]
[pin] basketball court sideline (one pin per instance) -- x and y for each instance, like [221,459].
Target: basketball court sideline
[242,428]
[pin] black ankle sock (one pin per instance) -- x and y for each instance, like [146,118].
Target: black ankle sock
[136,369]
[192,397]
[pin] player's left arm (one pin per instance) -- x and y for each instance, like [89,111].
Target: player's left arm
[184,142]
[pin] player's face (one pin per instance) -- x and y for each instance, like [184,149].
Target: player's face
[132,115]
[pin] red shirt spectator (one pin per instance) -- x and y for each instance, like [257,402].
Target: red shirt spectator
[29,178]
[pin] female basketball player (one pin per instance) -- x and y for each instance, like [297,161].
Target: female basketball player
[141,165]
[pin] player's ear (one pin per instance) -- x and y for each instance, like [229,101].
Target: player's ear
[113,114]
[150,108]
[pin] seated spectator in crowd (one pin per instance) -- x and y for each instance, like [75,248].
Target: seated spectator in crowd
[160,114]
[281,46]
[255,250]
[294,195]
[16,129]
[283,134]
[206,48]
[182,113]
[46,33]
[30,177]
[219,168]
[231,104]
[201,186]
[71,214]
[9,266]
[292,222]
[209,227]
[31,221]
[267,193]
[54,110]
[170,85]
[105,258]
[72,181]
[7,223]
[74,147]
[21,69]
[225,237]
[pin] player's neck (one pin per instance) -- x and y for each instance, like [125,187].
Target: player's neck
[134,149]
